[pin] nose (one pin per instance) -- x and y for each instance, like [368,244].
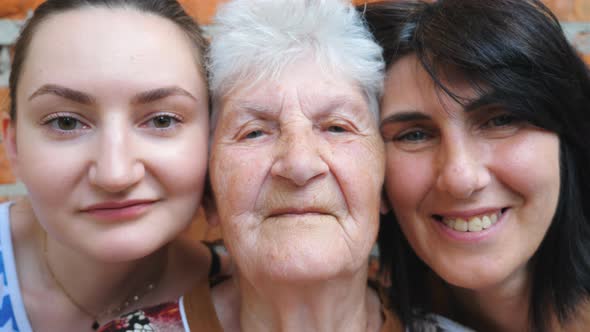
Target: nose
[116,166]
[462,170]
[299,157]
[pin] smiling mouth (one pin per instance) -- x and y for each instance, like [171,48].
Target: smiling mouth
[476,223]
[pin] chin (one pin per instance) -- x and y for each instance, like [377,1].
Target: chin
[126,250]
[301,265]
[478,277]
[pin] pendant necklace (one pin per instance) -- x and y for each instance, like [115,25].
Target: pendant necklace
[126,303]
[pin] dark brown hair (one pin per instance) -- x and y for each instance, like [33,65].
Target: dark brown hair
[514,53]
[168,9]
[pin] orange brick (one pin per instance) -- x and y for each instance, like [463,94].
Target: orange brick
[17,9]
[582,10]
[6,175]
[563,9]
[201,10]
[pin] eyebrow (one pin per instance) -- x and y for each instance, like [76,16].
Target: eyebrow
[86,99]
[160,93]
[63,92]
[406,116]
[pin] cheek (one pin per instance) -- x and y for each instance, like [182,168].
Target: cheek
[530,167]
[408,179]
[49,170]
[359,170]
[182,164]
[236,178]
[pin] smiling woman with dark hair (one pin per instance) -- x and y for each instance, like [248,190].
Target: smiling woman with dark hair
[485,117]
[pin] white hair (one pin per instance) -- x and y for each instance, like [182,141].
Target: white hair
[254,40]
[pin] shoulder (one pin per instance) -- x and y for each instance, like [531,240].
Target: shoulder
[160,318]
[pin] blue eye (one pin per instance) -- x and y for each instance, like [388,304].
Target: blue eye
[413,136]
[254,134]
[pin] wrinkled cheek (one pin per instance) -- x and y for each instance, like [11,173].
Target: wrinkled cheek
[233,183]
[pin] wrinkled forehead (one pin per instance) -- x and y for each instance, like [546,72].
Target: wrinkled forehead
[305,85]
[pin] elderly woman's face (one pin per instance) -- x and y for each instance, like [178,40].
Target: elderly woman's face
[297,167]
[474,191]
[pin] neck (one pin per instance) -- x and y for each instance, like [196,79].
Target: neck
[100,289]
[502,307]
[341,304]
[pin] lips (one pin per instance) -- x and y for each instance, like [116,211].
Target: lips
[296,211]
[119,210]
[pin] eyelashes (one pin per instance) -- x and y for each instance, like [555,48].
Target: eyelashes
[66,124]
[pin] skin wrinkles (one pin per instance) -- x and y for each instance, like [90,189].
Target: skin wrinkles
[297,160]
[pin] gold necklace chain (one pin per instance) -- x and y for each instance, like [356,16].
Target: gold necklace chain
[109,312]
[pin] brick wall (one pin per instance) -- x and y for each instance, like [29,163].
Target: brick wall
[574,13]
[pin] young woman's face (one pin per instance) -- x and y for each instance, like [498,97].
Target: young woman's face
[474,190]
[111,132]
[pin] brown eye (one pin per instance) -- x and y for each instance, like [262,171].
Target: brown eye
[162,121]
[66,123]
[336,129]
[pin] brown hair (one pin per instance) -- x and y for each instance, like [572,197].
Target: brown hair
[169,9]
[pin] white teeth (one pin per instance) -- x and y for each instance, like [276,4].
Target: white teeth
[474,224]
[450,223]
[486,222]
[460,225]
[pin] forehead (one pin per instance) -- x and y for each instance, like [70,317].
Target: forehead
[109,44]
[304,84]
[409,86]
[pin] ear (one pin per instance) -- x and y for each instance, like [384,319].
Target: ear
[9,141]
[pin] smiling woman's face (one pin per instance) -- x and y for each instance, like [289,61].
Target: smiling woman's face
[297,168]
[474,191]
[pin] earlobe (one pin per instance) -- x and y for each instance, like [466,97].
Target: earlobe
[9,141]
